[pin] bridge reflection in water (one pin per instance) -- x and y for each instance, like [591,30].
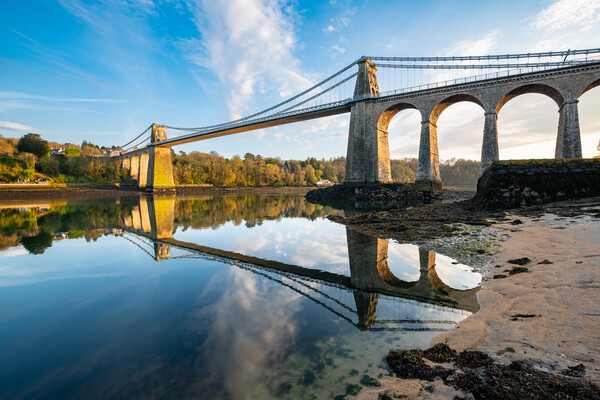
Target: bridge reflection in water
[372,297]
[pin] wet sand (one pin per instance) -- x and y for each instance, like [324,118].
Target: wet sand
[563,296]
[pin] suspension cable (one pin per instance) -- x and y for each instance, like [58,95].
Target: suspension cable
[275,106]
[134,139]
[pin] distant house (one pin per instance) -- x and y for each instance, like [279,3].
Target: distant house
[112,153]
[60,150]
[324,182]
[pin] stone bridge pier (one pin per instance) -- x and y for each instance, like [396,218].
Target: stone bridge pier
[152,217]
[368,156]
[370,273]
[151,167]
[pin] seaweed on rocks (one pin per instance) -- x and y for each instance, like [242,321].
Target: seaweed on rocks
[520,261]
[485,379]
[440,353]
[409,364]
[417,224]
[517,270]
[473,359]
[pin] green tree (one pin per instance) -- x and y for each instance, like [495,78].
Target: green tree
[37,244]
[33,143]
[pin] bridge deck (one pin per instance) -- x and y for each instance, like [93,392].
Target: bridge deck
[251,126]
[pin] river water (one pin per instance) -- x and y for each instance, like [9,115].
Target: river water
[212,297]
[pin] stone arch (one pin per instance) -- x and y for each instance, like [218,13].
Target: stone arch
[388,276]
[126,165]
[590,87]
[447,102]
[143,175]
[386,117]
[546,90]
[135,166]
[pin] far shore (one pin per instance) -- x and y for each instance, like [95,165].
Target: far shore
[90,190]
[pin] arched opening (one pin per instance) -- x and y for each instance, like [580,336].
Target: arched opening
[457,123]
[589,123]
[528,124]
[143,181]
[402,123]
[135,166]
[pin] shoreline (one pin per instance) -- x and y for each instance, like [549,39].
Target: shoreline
[77,191]
[558,296]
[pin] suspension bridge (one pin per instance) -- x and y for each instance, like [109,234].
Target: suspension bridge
[374,89]
[370,298]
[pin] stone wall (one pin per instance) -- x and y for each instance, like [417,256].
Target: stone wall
[518,183]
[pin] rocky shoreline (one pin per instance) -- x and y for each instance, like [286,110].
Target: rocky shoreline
[538,321]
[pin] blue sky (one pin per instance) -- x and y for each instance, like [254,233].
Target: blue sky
[103,71]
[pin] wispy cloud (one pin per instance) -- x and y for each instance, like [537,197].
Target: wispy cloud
[249,44]
[337,24]
[13,126]
[480,46]
[566,13]
[566,24]
[28,96]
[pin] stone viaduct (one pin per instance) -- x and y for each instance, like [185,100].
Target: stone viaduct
[368,157]
[153,218]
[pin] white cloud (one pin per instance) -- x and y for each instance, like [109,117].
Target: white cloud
[338,49]
[566,13]
[249,44]
[13,126]
[337,24]
[471,47]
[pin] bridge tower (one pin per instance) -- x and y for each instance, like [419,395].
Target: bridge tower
[160,168]
[151,166]
[368,156]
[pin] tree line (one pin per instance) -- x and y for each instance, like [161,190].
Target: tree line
[30,157]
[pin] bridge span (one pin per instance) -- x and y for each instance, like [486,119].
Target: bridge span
[150,224]
[368,159]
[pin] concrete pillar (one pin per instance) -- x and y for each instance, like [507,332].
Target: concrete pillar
[160,170]
[137,220]
[568,140]
[145,215]
[366,308]
[489,149]
[161,251]
[368,155]
[162,214]
[143,170]
[135,167]
[428,167]
[368,260]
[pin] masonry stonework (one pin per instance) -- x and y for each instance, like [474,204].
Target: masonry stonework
[564,86]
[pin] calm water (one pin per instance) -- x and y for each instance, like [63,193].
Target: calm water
[237,297]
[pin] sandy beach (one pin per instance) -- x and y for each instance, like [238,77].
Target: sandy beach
[559,297]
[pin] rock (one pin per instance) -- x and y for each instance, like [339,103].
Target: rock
[440,353]
[576,371]
[517,270]
[519,261]
[519,183]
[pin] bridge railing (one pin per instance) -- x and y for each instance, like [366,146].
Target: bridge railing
[503,70]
